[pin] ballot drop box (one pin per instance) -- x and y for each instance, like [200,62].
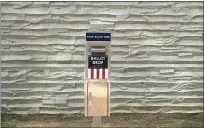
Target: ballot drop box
[97,74]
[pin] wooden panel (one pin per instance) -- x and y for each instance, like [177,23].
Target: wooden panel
[97,99]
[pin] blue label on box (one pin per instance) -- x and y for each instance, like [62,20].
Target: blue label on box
[92,36]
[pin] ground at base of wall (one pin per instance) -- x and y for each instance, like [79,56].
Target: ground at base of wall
[116,120]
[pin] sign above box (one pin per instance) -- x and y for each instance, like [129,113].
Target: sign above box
[96,36]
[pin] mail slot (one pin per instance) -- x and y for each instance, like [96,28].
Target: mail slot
[97,74]
[98,49]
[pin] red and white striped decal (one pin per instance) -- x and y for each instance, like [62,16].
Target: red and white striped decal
[94,73]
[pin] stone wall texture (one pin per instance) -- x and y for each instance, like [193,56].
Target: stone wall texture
[157,55]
